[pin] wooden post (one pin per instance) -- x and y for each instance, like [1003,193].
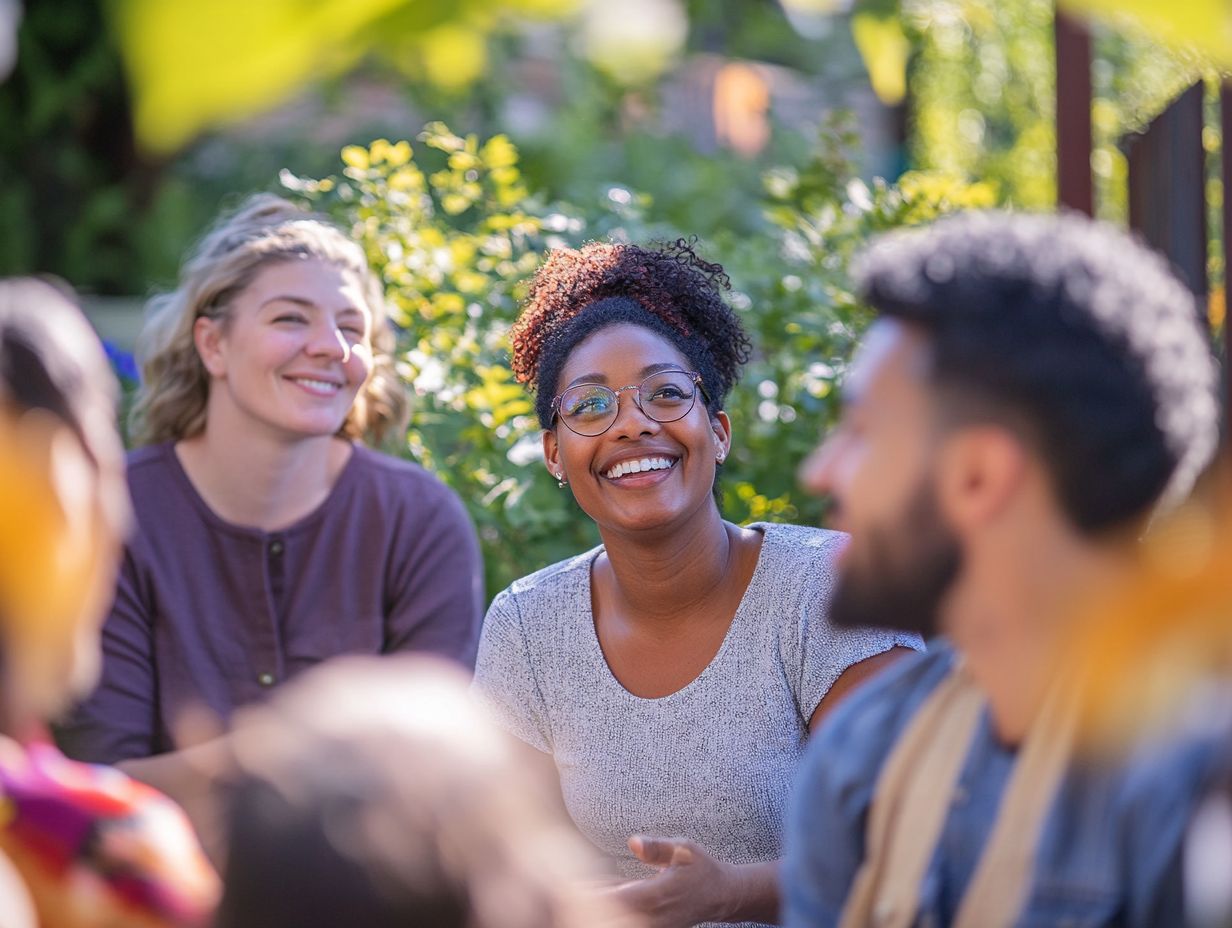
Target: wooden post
[1075,187]
[1225,121]
[1167,189]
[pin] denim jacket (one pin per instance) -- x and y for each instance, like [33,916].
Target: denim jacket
[1109,853]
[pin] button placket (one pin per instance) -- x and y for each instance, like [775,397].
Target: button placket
[275,567]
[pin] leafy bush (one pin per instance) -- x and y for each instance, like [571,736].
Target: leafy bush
[456,234]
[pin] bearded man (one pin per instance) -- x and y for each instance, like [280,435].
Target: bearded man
[1032,390]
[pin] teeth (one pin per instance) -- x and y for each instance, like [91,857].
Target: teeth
[322,385]
[636,467]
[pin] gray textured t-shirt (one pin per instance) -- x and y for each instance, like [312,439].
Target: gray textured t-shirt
[714,761]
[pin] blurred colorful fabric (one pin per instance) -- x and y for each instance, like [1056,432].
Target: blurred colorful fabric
[97,847]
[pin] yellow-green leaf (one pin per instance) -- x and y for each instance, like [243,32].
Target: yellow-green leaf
[884,47]
[454,56]
[1202,25]
[197,64]
[356,156]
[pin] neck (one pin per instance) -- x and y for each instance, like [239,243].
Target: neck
[664,577]
[1012,625]
[262,482]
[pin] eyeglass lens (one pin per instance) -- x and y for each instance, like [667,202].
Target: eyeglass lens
[590,409]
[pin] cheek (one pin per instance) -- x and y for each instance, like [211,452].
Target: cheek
[359,365]
[263,351]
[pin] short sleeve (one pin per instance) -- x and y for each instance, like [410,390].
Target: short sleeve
[437,595]
[119,720]
[814,651]
[505,680]
[827,651]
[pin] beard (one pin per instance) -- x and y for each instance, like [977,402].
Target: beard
[900,573]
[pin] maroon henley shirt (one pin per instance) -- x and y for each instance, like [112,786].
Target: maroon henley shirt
[212,614]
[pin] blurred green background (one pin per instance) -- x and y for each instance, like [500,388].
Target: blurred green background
[459,140]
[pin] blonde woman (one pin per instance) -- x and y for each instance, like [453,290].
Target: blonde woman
[269,537]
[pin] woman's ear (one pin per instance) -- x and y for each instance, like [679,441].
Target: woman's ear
[551,456]
[208,339]
[721,425]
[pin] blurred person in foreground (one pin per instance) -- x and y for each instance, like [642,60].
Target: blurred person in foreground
[374,793]
[269,536]
[79,845]
[1034,388]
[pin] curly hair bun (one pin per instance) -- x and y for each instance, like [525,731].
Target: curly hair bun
[672,283]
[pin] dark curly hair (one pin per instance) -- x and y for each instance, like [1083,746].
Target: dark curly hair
[669,290]
[1068,327]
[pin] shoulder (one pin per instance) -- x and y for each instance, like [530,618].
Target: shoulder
[393,482]
[548,585]
[799,556]
[855,740]
[787,543]
[149,463]
[1169,767]
[542,608]
[163,500]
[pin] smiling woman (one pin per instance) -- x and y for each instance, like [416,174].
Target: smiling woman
[673,673]
[269,537]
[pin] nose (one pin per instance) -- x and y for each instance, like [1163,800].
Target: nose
[328,341]
[630,420]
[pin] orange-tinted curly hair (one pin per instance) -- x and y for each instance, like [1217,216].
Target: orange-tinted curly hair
[571,296]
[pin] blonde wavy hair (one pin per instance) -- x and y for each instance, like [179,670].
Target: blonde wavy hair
[265,229]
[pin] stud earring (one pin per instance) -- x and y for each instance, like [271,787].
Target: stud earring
[560,479]
[719,457]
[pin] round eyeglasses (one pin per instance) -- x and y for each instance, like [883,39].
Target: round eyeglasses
[590,408]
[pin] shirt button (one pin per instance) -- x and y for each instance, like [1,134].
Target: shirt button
[266,679]
[275,548]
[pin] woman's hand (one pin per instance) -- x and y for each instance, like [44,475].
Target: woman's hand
[692,887]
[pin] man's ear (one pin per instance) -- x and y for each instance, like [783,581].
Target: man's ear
[208,339]
[551,455]
[721,425]
[980,470]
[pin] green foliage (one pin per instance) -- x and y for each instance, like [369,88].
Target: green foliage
[455,234]
[983,82]
[72,183]
[793,283]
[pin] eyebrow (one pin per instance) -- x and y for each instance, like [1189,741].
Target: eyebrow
[645,372]
[306,303]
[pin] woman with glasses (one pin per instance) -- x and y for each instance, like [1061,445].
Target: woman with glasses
[674,672]
[269,536]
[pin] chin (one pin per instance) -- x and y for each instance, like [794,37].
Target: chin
[304,429]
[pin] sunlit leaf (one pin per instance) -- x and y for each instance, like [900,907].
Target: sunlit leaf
[193,65]
[209,61]
[1203,25]
[355,156]
[453,56]
[884,47]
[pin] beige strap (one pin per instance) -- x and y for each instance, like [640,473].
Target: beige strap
[913,798]
[910,805]
[1003,877]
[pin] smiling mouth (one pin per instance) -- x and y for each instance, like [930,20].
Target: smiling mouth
[639,466]
[319,387]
